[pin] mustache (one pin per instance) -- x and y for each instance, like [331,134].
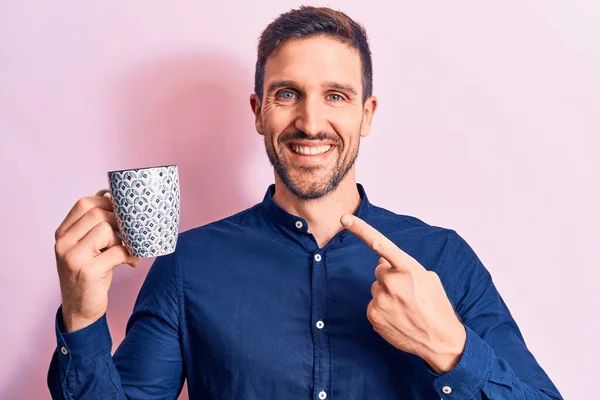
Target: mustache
[299,135]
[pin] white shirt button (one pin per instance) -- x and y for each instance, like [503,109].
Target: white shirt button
[299,224]
[322,395]
[317,257]
[64,350]
[320,324]
[447,389]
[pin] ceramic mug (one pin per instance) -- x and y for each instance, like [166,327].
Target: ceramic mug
[146,203]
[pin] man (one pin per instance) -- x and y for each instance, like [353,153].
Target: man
[314,293]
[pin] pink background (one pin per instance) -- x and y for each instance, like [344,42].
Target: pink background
[488,123]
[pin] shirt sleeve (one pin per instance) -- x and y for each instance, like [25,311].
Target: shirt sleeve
[147,364]
[496,363]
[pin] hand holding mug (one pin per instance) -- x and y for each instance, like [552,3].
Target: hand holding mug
[87,249]
[138,218]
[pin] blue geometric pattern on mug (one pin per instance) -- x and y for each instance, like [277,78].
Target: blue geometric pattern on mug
[147,206]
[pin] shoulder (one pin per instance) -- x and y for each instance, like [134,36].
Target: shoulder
[389,222]
[440,243]
[222,228]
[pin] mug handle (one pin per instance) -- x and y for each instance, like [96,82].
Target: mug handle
[102,192]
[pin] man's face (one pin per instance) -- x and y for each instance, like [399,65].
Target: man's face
[312,114]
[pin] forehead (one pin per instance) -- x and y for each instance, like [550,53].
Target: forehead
[315,59]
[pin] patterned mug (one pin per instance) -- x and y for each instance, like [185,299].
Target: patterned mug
[146,202]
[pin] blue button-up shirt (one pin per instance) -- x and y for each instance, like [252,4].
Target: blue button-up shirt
[250,307]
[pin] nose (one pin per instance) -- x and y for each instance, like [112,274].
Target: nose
[311,116]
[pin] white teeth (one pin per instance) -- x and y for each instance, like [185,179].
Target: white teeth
[310,150]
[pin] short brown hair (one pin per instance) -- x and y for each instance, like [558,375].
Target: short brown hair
[309,21]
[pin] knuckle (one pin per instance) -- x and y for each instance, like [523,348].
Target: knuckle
[60,247]
[378,244]
[372,313]
[71,260]
[84,204]
[105,228]
[388,280]
[395,286]
[391,280]
[97,214]
[374,289]
[360,231]
[379,271]
[371,310]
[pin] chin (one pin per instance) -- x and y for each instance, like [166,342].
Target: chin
[308,182]
[308,189]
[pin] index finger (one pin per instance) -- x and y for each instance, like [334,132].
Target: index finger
[378,242]
[80,208]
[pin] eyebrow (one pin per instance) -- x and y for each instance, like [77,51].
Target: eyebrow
[278,85]
[331,85]
[342,87]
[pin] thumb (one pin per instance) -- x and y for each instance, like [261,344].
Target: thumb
[115,256]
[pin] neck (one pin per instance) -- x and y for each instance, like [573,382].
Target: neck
[323,214]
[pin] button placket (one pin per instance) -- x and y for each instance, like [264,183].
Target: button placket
[322,360]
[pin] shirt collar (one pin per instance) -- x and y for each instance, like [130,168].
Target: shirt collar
[294,223]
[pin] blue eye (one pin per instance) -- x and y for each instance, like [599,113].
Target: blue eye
[336,97]
[286,95]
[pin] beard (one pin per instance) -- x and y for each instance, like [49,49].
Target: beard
[317,181]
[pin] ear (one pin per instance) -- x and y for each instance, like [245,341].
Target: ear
[368,112]
[256,108]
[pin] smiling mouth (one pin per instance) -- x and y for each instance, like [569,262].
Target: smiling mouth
[310,150]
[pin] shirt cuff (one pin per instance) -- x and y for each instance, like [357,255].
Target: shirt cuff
[471,372]
[85,344]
